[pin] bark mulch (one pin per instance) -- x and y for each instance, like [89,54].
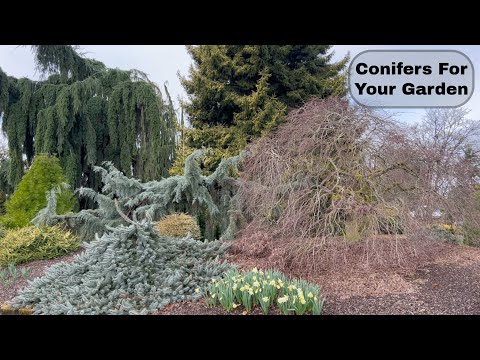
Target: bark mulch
[35,269]
[440,290]
[199,308]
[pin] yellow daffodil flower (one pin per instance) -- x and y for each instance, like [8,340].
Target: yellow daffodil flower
[234,306]
[256,284]
[272,282]
[242,289]
[250,292]
[234,287]
[310,295]
[254,270]
[197,290]
[264,282]
[265,299]
[213,296]
[283,299]
[268,277]
[315,298]
[302,300]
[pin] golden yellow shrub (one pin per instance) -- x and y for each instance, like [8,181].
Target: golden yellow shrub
[179,225]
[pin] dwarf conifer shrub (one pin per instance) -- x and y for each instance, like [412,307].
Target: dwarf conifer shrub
[33,243]
[178,225]
[30,196]
[128,267]
[129,270]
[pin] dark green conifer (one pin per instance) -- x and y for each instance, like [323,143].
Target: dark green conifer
[87,113]
[239,92]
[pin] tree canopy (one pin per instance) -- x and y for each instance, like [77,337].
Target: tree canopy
[237,93]
[86,113]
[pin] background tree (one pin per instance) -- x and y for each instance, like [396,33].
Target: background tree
[5,186]
[87,113]
[239,92]
[437,168]
[30,196]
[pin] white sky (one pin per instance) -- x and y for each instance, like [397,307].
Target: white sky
[162,62]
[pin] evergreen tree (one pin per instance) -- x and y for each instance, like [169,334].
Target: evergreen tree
[5,186]
[87,113]
[30,196]
[208,197]
[239,92]
[131,268]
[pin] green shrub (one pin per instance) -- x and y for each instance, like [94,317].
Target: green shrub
[265,289]
[3,232]
[33,243]
[30,195]
[447,233]
[178,226]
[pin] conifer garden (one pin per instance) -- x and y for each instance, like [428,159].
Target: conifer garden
[262,182]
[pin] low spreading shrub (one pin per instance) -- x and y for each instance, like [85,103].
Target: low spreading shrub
[178,226]
[448,233]
[471,233]
[33,243]
[265,289]
[129,270]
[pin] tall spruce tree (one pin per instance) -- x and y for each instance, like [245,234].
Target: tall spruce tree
[239,92]
[87,113]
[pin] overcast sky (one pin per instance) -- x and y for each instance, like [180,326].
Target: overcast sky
[162,62]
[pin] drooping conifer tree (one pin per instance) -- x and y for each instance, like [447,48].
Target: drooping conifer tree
[86,113]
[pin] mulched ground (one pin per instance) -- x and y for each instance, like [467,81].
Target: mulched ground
[449,284]
[199,308]
[440,290]
[35,269]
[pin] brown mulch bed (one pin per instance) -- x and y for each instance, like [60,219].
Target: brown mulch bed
[439,290]
[199,308]
[35,268]
[448,284]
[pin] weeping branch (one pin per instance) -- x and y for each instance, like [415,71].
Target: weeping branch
[86,113]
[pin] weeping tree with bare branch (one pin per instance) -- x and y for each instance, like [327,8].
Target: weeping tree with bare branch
[316,179]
